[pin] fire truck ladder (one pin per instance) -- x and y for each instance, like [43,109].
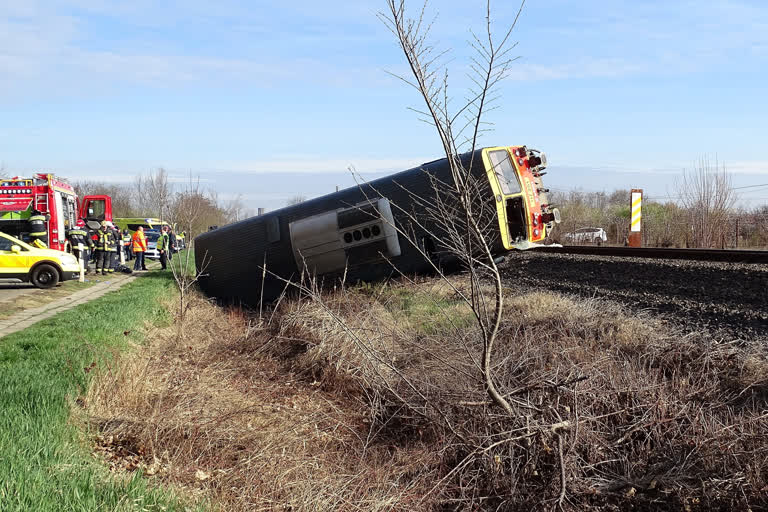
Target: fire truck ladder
[41,203]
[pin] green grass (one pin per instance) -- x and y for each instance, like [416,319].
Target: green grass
[45,462]
[184,261]
[428,313]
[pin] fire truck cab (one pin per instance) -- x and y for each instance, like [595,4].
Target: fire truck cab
[51,197]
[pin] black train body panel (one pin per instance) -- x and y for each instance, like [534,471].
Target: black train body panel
[350,230]
[230,258]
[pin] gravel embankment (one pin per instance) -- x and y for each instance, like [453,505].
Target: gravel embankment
[727,299]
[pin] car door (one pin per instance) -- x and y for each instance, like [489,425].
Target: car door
[12,264]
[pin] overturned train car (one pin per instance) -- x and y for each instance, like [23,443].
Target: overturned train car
[352,232]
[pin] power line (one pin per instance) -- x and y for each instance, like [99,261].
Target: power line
[751,186]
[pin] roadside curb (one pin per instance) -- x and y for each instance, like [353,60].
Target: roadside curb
[29,317]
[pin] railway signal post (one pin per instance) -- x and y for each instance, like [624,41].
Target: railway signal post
[635,218]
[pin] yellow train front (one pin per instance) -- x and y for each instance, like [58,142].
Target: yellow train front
[375,230]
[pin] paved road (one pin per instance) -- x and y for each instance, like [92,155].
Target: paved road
[10,292]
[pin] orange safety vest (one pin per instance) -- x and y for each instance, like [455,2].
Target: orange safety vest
[139,242]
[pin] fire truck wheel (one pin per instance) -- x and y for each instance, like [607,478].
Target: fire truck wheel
[45,276]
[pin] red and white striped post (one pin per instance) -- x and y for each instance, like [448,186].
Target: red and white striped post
[635,218]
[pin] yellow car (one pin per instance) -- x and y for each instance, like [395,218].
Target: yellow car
[44,268]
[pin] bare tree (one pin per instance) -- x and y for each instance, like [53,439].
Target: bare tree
[194,209]
[124,198]
[460,216]
[236,210]
[297,199]
[708,196]
[154,193]
[189,207]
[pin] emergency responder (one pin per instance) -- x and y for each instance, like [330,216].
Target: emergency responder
[139,243]
[93,236]
[163,245]
[118,238]
[105,247]
[127,245]
[78,238]
[38,231]
[171,243]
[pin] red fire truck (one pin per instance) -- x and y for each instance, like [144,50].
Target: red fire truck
[21,198]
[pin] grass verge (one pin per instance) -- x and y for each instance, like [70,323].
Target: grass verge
[45,463]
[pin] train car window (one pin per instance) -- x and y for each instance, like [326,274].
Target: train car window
[273,230]
[504,169]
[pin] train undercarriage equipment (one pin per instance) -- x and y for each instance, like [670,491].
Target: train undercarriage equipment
[354,232]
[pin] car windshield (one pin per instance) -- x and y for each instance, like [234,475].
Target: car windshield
[152,236]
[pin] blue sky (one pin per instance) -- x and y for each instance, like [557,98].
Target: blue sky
[273,99]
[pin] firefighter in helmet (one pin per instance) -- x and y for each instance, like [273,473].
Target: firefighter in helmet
[38,229]
[80,241]
[105,247]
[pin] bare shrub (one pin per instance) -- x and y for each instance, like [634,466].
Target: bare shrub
[218,417]
[708,196]
[609,409]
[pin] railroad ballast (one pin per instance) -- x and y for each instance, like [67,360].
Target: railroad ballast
[360,232]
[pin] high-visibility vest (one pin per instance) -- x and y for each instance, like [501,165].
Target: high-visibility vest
[162,242]
[139,242]
[105,242]
[113,241]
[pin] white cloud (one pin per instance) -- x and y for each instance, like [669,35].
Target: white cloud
[310,164]
[125,171]
[748,167]
[57,47]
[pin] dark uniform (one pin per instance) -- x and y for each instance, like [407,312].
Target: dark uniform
[80,237]
[117,240]
[171,244]
[163,242]
[105,248]
[38,229]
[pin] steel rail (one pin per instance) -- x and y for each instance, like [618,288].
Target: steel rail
[734,256]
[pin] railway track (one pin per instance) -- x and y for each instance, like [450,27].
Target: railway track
[720,255]
[722,296]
